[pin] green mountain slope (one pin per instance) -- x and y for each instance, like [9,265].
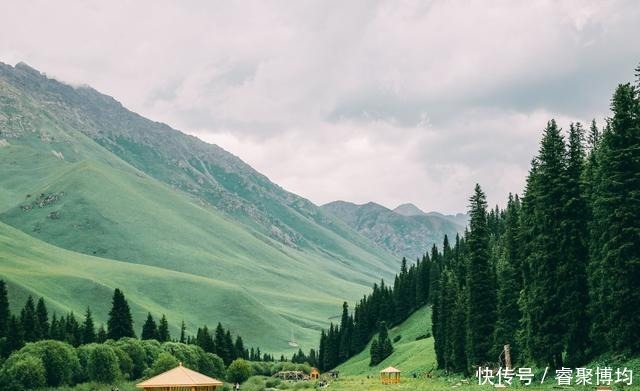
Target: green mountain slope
[409,355]
[406,235]
[68,279]
[84,174]
[189,164]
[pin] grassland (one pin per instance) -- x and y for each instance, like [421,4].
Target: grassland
[94,197]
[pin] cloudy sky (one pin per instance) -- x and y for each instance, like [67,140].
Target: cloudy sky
[398,101]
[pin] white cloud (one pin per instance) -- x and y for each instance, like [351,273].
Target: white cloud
[385,101]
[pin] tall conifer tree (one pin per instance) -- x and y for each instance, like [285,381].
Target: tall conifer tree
[42,318]
[481,311]
[572,269]
[543,212]
[29,321]
[88,328]
[163,330]
[615,264]
[120,322]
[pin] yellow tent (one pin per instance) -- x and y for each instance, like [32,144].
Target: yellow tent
[180,379]
[314,373]
[390,375]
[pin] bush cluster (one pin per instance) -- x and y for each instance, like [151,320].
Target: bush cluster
[52,363]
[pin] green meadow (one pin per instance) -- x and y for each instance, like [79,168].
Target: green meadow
[94,197]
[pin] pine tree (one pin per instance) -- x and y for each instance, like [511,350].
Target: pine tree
[88,328]
[183,329]
[5,315]
[15,335]
[384,343]
[615,263]
[374,353]
[437,327]
[572,268]
[446,303]
[73,333]
[29,321]
[508,311]
[481,312]
[322,351]
[120,323]
[221,346]
[101,335]
[239,348]
[230,347]
[331,355]
[204,340]
[42,319]
[163,330]
[511,240]
[346,331]
[458,331]
[149,328]
[543,229]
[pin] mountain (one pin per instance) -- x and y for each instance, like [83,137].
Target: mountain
[113,199]
[404,235]
[409,210]
[412,210]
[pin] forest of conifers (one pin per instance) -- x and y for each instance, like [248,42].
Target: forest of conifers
[554,274]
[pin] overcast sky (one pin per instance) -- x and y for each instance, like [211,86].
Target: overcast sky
[392,102]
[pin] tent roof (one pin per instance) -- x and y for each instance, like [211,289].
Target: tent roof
[390,370]
[179,377]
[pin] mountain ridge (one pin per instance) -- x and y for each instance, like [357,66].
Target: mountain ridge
[409,236]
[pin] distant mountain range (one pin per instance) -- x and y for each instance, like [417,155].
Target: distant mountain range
[405,231]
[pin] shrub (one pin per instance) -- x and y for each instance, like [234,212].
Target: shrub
[272,383]
[152,349]
[397,338]
[211,365]
[136,353]
[189,355]
[59,359]
[124,361]
[83,352]
[262,368]
[103,365]
[255,383]
[163,363]
[21,372]
[239,371]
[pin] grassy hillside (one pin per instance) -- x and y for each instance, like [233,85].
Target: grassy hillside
[68,279]
[91,208]
[409,355]
[81,173]
[59,115]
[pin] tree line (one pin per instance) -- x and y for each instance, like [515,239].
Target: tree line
[555,273]
[30,340]
[384,307]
